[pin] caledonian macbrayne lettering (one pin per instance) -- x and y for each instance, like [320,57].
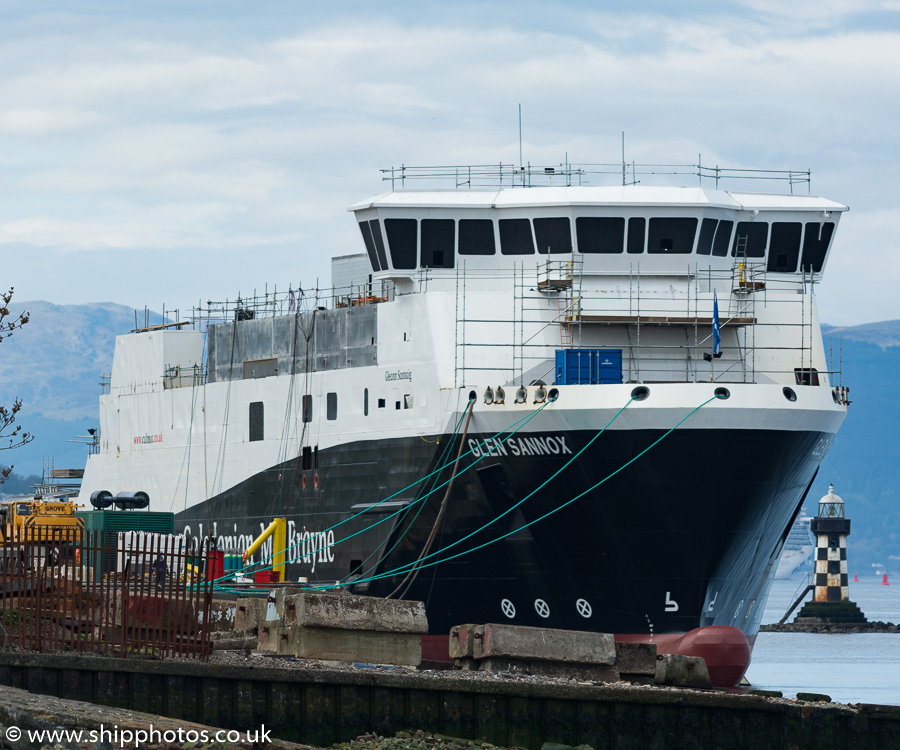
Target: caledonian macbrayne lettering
[143,439]
[520,446]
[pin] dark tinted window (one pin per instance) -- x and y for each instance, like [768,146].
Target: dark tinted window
[599,234]
[671,236]
[307,408]
[515,237]
[707,232]
[438,239]
[476,237]
[815,245]
[723,236]
[636,235]
[375,226]
[257,428]
[402,236]
[366,402]
[784,247]
[750,239]
[331,406]
[553,235]
[370,244]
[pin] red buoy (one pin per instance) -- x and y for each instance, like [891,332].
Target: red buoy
[855,578]
[884,581]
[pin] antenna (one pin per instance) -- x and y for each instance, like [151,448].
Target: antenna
[520,136]
[623,158]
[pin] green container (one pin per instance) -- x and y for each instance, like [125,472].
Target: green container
[120,520]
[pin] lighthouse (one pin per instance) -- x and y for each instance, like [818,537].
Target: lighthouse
[831,529]
[831,591]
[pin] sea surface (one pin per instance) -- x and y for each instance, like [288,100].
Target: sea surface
[855,668]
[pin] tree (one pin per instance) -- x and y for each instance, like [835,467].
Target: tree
[9,429]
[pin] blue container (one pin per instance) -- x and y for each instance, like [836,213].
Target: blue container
[588,366]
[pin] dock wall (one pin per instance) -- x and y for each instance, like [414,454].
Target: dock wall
[321,706]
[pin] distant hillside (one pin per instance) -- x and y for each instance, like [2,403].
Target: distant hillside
[884,334]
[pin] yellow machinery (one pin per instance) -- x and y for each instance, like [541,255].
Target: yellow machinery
[39,519]
[278,531]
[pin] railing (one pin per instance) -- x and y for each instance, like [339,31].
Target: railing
[64,589]
[567,175]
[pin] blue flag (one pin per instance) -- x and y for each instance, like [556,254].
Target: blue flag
[717,339]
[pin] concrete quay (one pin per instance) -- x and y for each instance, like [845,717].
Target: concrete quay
[307,702]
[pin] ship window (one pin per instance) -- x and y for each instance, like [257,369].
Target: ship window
[306,458]
[331,406]
[784,248]
[307,408]
[553,235]
[636,235]
[381,403]
[600,234]
[438,239]
[476,237]
[402,240]
[707,232]
[515,237]
[806,375]
[750,239]
[365,402]
[671,236]
[723,236]
[407,401]
[815,245]
[375,227]
[370,244]
[257,428]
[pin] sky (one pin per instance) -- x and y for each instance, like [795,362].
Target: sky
[170,153]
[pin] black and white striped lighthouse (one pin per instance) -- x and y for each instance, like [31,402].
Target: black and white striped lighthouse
[831,529]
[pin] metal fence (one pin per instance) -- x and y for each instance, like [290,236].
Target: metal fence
[115,593]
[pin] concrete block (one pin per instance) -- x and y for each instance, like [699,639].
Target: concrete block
[584,672]
[368,613]
[682,671]
[636,658]
[462,641]
[248,613]
[268,638]
[546,644]
[403,649]
[286,604]
[221,616]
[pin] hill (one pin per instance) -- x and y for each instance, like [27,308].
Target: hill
[54,365]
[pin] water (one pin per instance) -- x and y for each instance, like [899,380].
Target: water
[855,668]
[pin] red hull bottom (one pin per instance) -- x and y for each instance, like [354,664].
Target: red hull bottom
[725,650]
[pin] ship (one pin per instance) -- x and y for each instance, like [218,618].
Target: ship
[798,549]
[532,400]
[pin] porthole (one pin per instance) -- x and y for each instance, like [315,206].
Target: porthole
[640,393]
[722,393]
[789,393]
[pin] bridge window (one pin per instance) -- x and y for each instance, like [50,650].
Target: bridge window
[476,237]
[599,234]
[722,238]
[750,239]
[402,240]
[438,240]
[815,245]
[707,232]
[331,406]
[516,237]
[636,228]
[784,248]
[553,235]
[366,231]
[671,236]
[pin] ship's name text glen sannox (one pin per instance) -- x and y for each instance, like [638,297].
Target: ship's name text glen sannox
[520,446]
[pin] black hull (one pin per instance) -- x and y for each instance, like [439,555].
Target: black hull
[686,536]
